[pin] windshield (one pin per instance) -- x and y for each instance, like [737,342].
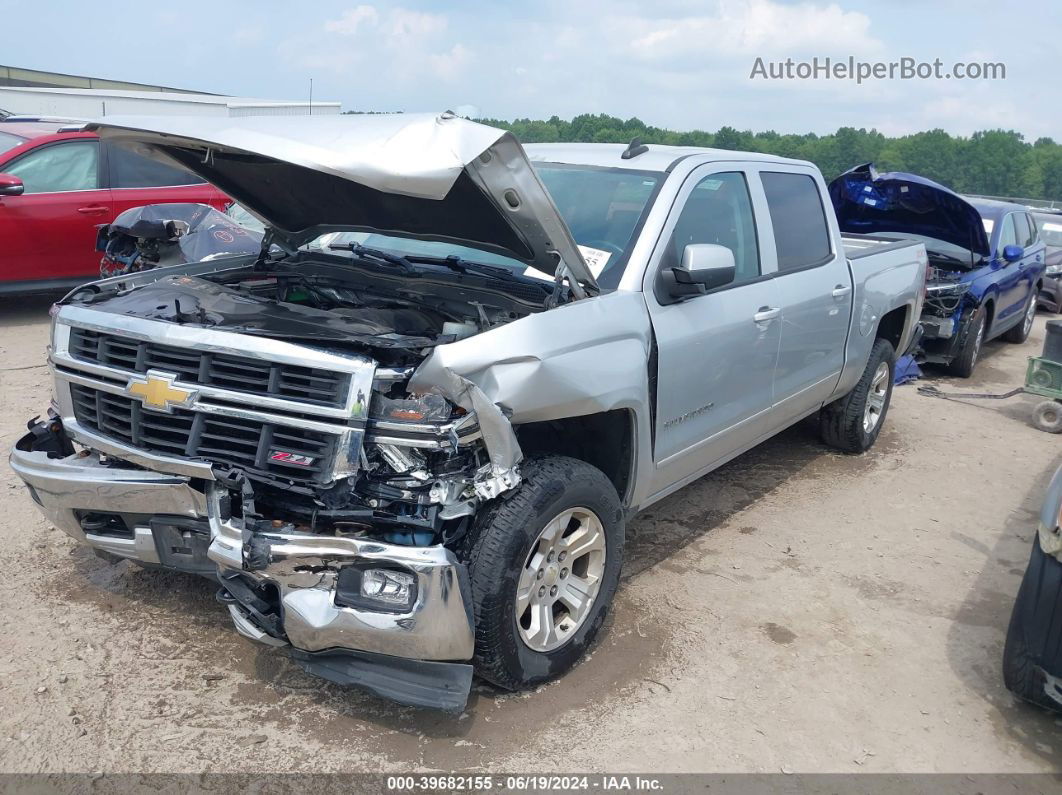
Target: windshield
[9,141]
[601,206]
[1050,228]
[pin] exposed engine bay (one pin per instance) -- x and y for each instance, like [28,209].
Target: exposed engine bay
[424,465]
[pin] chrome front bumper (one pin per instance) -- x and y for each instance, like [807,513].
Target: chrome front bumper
[302,567]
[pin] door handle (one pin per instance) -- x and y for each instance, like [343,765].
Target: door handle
[767,313]
[841,290]
[92,209]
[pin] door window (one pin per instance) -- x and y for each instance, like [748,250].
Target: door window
[1030,240]
[1008,234]
[59,167]
[719,210]
[801,234]
[131,169]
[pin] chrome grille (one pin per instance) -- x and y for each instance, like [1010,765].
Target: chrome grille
[248,444]
[238,374]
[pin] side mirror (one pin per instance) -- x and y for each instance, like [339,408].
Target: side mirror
[1013,253]
[11,185]
[704,267]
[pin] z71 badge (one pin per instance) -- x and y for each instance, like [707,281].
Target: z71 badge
[290,458]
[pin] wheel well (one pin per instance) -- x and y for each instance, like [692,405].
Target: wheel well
[604,440]
[891,327]
[990,314]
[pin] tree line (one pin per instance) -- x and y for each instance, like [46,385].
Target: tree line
[990,162]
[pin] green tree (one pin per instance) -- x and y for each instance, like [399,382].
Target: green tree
[991,162]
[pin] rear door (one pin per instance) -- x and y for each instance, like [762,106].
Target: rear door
[1032,263]
[136,180]
[716,353]
[815,291]
[49,232]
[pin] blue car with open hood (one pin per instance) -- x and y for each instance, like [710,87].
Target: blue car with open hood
[986,258]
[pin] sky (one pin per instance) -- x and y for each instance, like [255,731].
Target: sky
[672,63]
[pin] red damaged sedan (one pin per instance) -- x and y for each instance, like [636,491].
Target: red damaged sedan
[57,185]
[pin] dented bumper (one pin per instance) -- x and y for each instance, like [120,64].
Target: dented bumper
[283,588]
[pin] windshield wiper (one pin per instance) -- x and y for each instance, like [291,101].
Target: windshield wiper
[358,250]
[455,263]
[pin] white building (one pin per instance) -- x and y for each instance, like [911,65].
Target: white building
[91,103]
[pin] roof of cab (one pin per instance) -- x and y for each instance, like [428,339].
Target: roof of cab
[657,157]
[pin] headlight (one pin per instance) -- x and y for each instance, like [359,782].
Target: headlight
[947,288]
[1054,270]
[415,408]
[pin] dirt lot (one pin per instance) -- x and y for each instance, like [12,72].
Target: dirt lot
[798,610]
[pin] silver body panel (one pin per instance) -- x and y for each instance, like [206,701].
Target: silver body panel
[726,378]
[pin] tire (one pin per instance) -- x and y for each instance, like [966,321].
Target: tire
[1040,590]
[1019,333]
[846,424]
[1047,416]
[966,360]
[504,544]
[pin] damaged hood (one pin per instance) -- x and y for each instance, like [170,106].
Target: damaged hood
[867,202]
[425,176]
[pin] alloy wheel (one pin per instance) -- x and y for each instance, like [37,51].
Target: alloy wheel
[560,579]
[879,391]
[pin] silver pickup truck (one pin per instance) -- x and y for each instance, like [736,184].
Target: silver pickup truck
[405,437]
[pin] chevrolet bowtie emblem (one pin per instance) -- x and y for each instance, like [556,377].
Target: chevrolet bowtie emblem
[156,391]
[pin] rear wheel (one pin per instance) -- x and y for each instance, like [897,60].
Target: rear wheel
[1020,332]
[970,350]
[544,566]
[852,423]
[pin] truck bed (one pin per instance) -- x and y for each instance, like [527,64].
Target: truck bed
[856,246]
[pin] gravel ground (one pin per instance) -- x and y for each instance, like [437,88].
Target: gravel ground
[797,610]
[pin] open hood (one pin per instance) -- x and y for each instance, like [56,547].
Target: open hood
[425,176]
[867,202]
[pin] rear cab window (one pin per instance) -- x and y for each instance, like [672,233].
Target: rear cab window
[801,232]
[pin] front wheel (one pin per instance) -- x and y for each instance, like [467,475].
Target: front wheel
[544,565]
[970,350]
[852,423]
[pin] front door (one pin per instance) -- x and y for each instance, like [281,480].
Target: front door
[49,232]
[716,353]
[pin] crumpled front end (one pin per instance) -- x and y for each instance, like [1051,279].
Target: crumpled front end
[946,313]
[327,502]
[393,619]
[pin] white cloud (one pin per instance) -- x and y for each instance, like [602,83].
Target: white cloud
[351,20]
[449,65]
[409,46]
[752,27]
[405,24]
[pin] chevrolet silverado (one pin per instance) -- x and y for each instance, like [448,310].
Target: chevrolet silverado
[405,437]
